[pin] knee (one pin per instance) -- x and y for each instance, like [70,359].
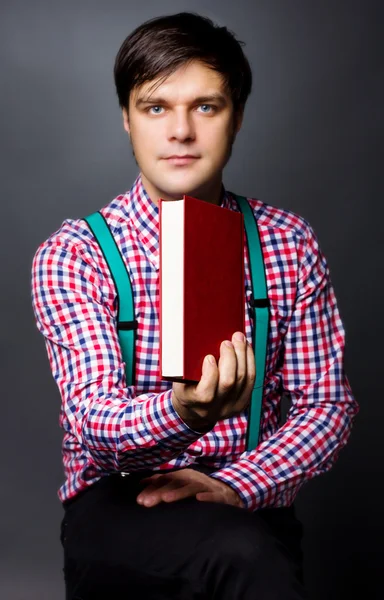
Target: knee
[244,558]
[240,543]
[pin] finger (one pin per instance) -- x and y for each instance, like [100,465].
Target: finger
[227,368]
[167,487]
[171,475]
[149,496]
[210,497]
[149,491]
[251,368]
[245,394]
[157,483]
[157,493]
[206,388]
[239,342]
[153,488]
[168,494]
[182,492]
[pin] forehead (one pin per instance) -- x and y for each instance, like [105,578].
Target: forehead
[188,81]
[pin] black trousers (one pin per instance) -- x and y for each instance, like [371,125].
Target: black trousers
[116,549]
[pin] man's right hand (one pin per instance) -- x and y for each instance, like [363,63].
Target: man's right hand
[224,389]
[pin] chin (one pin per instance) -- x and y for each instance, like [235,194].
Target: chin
[181,188]
[189,182]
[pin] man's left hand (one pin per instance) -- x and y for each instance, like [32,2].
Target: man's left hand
[170,487]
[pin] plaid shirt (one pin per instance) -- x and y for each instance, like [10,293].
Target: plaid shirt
[111,427]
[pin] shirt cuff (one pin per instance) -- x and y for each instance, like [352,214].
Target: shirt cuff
[253,484]
[164,424]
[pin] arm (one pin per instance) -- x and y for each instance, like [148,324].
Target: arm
[74,310]
[323,408]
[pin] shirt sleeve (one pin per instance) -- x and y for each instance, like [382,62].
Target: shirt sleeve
[117,429]
[323,407]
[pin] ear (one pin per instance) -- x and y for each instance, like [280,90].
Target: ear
[126,121]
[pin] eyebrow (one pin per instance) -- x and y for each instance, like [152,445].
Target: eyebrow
[207,98]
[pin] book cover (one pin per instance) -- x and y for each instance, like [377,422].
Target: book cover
[202,297]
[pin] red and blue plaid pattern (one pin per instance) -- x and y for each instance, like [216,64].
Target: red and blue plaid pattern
[111,427]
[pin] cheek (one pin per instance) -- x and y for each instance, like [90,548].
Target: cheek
[219,136]
[143,143]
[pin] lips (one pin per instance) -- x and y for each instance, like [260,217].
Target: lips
[181,160]
[182,156]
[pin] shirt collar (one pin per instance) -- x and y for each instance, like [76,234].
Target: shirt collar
[143,217]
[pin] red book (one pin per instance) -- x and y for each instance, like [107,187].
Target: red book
[202,297]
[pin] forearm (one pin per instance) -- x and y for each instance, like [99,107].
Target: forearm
[312,371]
[122,431]
[113,424]
[307,445]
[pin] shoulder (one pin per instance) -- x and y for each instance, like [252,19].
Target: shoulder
[276,223]
[284,230]
[275,218]
[75,237]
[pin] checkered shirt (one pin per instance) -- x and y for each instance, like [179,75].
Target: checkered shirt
[110,427]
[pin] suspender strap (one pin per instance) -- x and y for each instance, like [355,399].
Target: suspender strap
[126,323]
[260,304]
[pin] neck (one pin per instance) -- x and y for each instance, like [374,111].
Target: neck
[212,192]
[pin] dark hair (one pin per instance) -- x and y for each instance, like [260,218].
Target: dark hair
[160,46]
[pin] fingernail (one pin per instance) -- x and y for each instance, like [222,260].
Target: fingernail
[239,336]
[229,344]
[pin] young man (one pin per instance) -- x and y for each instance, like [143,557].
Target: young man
[197,516]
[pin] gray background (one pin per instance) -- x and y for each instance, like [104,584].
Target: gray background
[311,142]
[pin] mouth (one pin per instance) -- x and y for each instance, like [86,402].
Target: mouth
[181,160]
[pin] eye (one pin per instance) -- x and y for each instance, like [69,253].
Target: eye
[213,108]
[150,108]
[157,108]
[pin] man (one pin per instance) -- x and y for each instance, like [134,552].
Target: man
[197,516]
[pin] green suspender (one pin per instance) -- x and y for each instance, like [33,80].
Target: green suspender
[260,304]
[127,324]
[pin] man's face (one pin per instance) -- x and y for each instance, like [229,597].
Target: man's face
[180,118]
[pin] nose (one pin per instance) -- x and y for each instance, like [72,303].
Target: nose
[181,127]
